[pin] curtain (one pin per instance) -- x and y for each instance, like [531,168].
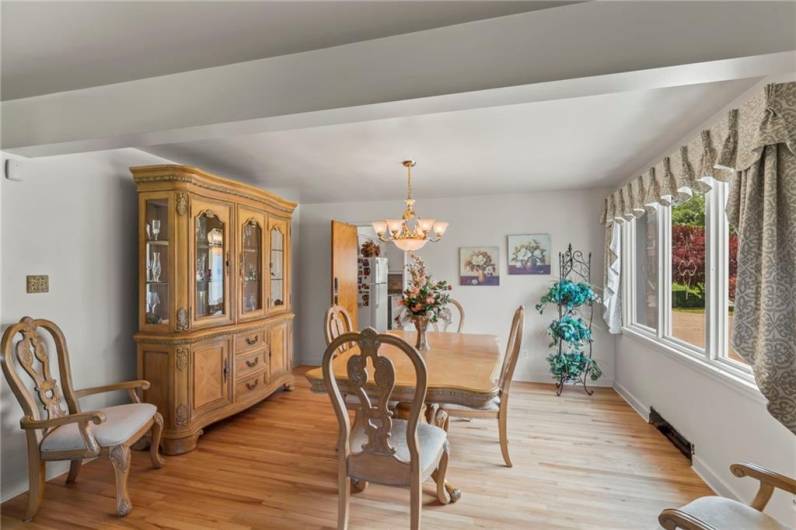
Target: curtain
[612,301]
[762,208]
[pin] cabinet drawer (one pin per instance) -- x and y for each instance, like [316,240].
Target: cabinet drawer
[250,340]
[250,387]
[251,362]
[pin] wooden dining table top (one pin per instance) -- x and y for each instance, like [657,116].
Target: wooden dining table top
[463,368]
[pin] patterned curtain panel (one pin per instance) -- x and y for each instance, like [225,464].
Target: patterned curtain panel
[762,208]
[754,146]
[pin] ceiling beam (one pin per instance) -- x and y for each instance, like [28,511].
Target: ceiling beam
[573,51]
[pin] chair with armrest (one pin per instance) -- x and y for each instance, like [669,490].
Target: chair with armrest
[721,513]
[383,449]
[62,431]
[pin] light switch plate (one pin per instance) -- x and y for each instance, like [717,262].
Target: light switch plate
[38,284]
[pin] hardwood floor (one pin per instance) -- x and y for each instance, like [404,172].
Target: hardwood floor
[579,462]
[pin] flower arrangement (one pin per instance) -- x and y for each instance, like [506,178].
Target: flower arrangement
[529,254]
[480,262]
[570,330]
[424,298]
[568,294]
[370,249]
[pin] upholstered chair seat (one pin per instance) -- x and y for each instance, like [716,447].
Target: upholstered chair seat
[432,441]
[726,514]
[121,423]
[719,513]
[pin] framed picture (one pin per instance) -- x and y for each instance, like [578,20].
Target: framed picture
[529,254]
[479,266]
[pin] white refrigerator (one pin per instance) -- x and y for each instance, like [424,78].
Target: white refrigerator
[373,302]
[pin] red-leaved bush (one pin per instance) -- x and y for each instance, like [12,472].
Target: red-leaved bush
[688,255]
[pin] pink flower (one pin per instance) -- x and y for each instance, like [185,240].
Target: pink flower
[430,300]
[416,307]
[413,291]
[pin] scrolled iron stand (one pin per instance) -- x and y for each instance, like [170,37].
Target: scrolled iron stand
[573,262]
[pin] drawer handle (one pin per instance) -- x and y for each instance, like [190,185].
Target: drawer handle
[252,386]
[252,363]
[250,341]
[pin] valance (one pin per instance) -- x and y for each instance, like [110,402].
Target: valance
[732,143]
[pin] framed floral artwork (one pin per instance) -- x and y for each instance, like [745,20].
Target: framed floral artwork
[529,254]
[479,266]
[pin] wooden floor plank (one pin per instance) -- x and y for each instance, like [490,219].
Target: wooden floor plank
[580,462]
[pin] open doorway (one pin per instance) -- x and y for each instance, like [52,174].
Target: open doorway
[380,280]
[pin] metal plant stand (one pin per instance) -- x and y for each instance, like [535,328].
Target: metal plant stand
[574,263]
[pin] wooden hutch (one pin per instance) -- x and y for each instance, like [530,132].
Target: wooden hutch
[215,316]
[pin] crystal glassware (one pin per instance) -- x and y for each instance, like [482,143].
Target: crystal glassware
[155,228]
[156,266]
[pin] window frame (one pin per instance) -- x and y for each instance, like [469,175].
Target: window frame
[714,357]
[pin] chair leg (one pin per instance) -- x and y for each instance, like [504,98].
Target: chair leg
[503,428]
[74,470]
[358,486]
[36,473]
[343,497]
[154,446]
[439,477]
[120,458]
[415,503]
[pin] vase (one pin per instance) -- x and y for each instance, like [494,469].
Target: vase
[421,325]
[156,266]
[481,277]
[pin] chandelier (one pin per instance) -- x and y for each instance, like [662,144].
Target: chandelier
[409,233]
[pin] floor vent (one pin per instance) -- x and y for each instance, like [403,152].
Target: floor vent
[677,439]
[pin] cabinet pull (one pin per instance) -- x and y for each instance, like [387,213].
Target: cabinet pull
[227,262]
[226,368]
[252,386]
[252,363]
[252,341]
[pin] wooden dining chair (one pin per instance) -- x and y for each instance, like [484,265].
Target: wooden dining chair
[337,322]
[383,449]
[498,407]
[69,433]
[445,319]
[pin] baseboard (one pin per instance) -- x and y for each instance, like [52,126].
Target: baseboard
[712,479]
[632,400]
[545,377]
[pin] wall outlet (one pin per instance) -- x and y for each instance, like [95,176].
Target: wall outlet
[38,283]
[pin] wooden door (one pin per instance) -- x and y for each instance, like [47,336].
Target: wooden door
[345,246]
[278,336]
[278,264]
[209,260]
[212,376]
[252,270]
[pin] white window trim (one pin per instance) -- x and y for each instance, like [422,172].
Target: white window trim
[706,360]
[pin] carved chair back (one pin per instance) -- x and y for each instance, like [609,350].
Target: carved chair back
[513,346]
[447,318]
[30,354]
[371,378]
[337,322]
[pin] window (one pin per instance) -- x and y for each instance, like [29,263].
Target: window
[646,269]
[680,290]
[688,271]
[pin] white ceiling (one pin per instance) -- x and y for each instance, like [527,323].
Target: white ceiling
[56,46]
[582,142]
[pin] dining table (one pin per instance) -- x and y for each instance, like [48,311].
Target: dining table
[462,368]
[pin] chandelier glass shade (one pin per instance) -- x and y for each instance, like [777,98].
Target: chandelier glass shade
[410,232]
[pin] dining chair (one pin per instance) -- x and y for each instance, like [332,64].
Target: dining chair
[721,513]
[337,322]
[445,319]
[65,432]
[383,449]
[499,406]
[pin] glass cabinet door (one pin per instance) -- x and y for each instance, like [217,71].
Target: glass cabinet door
[250,265]
[156,235]
[278,248]
[210,261]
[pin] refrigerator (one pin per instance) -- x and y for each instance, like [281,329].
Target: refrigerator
[372,289]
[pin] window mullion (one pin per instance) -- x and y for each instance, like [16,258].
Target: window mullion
[664,271]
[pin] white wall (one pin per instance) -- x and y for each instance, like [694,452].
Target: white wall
[74,219]
[725,424]
[568,216]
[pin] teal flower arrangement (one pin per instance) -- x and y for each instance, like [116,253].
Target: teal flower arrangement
[568,294]
[570,334]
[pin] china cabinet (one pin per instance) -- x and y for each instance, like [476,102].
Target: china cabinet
[215,316]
